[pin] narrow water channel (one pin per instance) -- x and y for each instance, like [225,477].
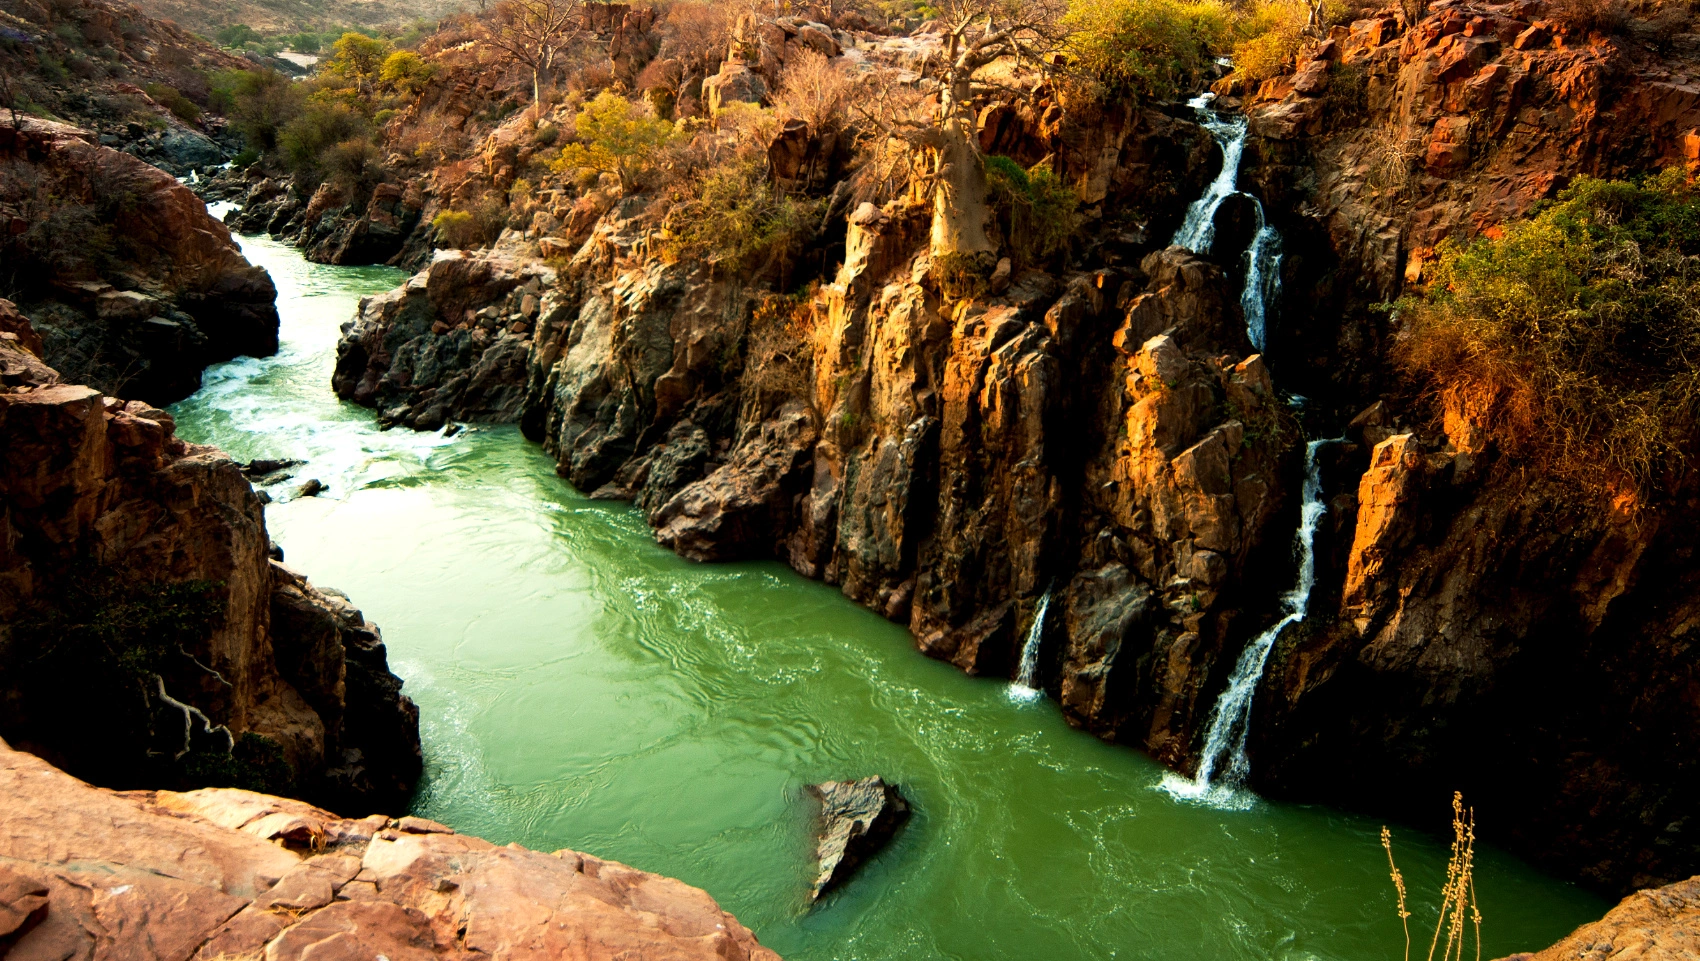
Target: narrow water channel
[581,687]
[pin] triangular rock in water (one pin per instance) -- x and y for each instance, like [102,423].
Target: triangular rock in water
[857,819]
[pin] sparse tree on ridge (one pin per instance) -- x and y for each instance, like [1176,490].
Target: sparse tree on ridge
[535,33]
[976,34]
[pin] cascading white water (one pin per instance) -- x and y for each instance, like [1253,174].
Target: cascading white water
[1025,687]
[1230,719]
[1198,230]
[1262,280]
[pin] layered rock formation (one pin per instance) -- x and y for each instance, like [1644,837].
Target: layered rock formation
[134,573]
[132,286]
[857,818]
[160,876]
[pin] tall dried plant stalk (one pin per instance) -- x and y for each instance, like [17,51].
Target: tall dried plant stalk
[1458,906]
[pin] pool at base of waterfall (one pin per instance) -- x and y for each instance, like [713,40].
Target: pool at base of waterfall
[581,687]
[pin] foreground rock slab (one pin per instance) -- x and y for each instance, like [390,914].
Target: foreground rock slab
[857,819]
[1661,924]
[93,874]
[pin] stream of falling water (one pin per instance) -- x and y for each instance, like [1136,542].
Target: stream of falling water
[1025,687]
[1230,720]
[1197,233]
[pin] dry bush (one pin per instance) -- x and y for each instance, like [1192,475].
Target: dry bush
[1457,894]
[814,88]
[1572,343]
[780,346]
[886,167]
[696,33]
[434,138]
[1589,16]
[1392,157]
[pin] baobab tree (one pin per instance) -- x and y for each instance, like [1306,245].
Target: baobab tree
[535,34]
[976,34]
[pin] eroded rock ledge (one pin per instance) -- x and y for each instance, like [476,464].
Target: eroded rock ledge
[134,575]
[221,873]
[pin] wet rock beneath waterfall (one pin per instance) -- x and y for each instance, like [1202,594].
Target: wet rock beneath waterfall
[857,819]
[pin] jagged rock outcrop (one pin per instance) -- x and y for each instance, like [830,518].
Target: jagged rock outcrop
[220,873]
[131,285]
[857,818]
[134,573]
[452,342]
[1662,924]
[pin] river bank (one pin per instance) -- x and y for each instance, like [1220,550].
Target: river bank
[580,686]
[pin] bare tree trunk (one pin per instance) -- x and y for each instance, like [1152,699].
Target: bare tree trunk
[959,199]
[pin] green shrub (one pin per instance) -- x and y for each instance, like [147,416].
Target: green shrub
[1572,342]
[406,72]
[173,100]
[1272,32]
[547,134]
[259,103]
[1153,49]
[236,35]
[615,137]
[732,215]
[481,223]
[305,143]
[1035,206]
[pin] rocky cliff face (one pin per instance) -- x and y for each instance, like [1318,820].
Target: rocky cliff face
[131,285]
[134,574]
[1476,627]
[1100,429]
[1659,923]
[210,874]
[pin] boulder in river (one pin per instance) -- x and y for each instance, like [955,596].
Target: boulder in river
[857,819]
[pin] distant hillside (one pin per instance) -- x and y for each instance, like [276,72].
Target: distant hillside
[207,17]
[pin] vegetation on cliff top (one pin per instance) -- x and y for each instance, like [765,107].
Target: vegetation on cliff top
[1572,341]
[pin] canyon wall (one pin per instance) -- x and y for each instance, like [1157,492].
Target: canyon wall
[136,574]
[132,286]
[221,873]
[1098,428]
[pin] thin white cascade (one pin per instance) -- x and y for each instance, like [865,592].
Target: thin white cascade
[1025,687]
[1199,229]
[1262,280]
[1223,766]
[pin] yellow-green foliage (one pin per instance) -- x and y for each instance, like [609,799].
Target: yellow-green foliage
[406,72]
[1270,33]
[617,137]
[1153,49]
[732,215]
[454,228]
[358,60]
[1573,341]
[1037,208]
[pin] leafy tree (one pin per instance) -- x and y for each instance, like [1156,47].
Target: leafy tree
[236,35]
[406,72]
[615,137]
[1152,49]
[358,60]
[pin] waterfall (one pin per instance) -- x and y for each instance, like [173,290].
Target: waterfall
[1025,687]
[1199,228]
[1198,231]
[1230,719]
[1262,279]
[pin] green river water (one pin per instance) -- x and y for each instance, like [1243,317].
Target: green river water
[581,687]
